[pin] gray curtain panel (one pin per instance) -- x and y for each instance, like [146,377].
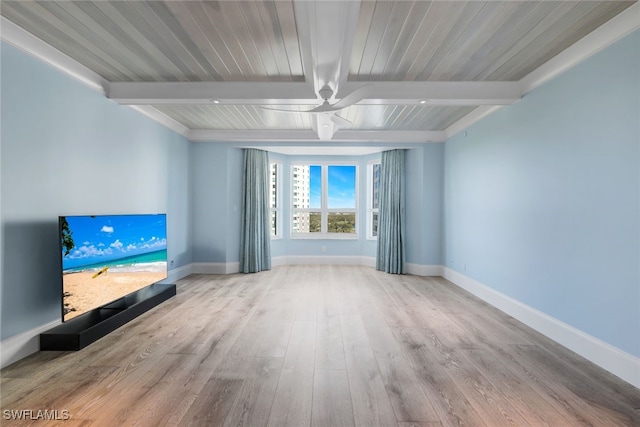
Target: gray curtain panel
[391,251]
[255,239]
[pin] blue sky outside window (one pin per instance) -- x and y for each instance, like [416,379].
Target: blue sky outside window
[342,187]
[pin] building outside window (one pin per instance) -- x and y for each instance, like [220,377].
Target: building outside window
[324,200]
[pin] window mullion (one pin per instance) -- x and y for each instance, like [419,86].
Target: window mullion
[324,191]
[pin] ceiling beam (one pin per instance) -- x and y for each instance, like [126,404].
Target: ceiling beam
[326,31]
[195,93]
[299,93]
[389,136]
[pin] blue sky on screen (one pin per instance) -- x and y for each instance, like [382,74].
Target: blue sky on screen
[110,237]
[342,187]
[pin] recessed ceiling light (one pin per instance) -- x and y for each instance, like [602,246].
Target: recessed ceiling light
[423,101]
[215,101]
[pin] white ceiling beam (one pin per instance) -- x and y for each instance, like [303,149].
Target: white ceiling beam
[194,93]
[388,136]
[440,93]
[326,32]
[283,93]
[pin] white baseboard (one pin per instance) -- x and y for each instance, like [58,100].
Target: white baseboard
[318,260]
[22,345]
[178,273]
[614,360]
[424,270]
[214,267]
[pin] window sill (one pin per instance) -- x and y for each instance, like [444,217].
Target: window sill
[325,236]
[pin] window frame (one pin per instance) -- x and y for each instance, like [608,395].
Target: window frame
[278,208]
[324,209]
[370,209]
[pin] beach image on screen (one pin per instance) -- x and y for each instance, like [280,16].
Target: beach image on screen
[106,257]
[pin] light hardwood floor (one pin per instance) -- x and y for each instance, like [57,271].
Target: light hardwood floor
[320,346]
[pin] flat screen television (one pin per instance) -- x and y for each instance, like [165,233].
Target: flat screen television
[106,257]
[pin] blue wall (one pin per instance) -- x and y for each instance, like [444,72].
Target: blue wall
[68,150]
[542,199]
[217,177]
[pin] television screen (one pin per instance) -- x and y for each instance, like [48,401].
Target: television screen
[105,257]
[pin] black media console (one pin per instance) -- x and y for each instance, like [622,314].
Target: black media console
[87,328]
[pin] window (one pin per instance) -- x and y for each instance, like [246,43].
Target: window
[276,200]
[324,200]
[373,199]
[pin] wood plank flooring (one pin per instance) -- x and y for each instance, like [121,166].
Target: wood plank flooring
[320,346]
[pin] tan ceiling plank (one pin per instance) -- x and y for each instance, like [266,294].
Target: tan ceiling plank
[536,36]
[400,15]
[259,38]
[474,36]
[155,14]
[273,29]
[446,43]
[365,16]
[509,32]
[222,36]
[142,19]
[415,49]
[93,34]
[374,39]
[264,39]
[286,17]
[442,117]
[412,30]
[440,19]
[154,56]
[568,35]
[243,45]
[47,26]
[204,36]
[412,118]
[100,28]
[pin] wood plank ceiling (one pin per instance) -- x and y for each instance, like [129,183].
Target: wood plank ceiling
[211,66]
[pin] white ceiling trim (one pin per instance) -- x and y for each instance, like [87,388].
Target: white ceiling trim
[162,119]
[291,93]
[23,40]
[387,136]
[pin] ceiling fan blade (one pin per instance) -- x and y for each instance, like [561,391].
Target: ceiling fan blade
[354,97]
[340,121]
[324,108]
